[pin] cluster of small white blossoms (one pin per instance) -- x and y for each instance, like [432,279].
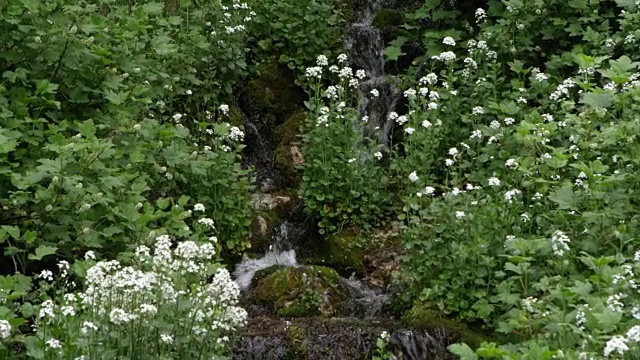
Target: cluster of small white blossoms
[559,243]
[334,92]
[116,295]
[562,90]
[5,329]
[619,345]
[243,12]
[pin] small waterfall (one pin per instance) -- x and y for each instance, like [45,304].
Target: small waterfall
[280,253]
[365,49]
[364,300]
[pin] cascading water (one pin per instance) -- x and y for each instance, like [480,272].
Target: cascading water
[280,253]
[359,320]
[365,49]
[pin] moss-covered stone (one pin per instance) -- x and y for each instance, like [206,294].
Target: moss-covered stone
[286,136]
[421,315]
[300,291]
[236,118]
[387,18]
[273,90]
[345,252]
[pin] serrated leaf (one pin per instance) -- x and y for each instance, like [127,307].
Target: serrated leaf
[393,53]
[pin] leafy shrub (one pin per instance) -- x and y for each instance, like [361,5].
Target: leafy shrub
[520,210]
[118,110]
[296,32]
[343,181]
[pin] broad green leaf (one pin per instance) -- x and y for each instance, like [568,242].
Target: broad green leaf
[42,251]
[463,351]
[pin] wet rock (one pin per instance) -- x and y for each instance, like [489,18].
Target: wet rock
[269,201]
[421,315]
[267,338]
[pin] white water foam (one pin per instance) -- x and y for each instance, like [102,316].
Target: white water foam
[246,270]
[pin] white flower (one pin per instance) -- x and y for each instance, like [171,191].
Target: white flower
[426,124]
[460,214]
[445,57]
[401,120]
[478,110]
[480,15]
[46,275]
[87,327]
[166,338]
[342,58]
[119,316]
[449,41]
[633,334]
[53,344]
[409,130]
[449,162]
[494,181]
[89,255]
[410,94]
[378,155]
[207,222]
[509,121]
[413,177]
[511,163]
[314,72]
[67,310]
[322,60]
[374,92]
[476,134]
[189,92]
[224,108]
[453,152]
[494,124]
[511,194]
[5,329]
[198,207]
[361,74]
[559,243]
[616,344]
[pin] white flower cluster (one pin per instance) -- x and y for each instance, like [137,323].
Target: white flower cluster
[117,295]
[5,329]
[559,243]
[562,90]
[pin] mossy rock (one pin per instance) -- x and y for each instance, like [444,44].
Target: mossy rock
[286,136]
[351,8]
[388,18]
[236,118]
[422,316]
[344,251]
[274,90]
[300,291]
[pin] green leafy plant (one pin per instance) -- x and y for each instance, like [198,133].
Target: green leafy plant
[296,32]
[343,182]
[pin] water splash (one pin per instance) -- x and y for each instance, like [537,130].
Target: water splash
[364,300]
[247,269]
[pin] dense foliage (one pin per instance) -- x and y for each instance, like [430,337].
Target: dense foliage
[513,168]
